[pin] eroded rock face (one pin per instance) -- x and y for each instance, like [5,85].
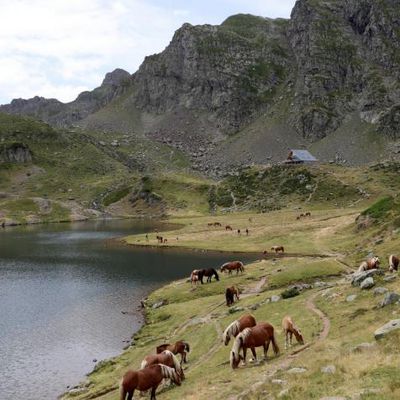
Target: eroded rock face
[15,153]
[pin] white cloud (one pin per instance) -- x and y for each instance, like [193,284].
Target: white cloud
[57,48]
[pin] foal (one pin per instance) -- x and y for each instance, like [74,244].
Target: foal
[260,335]
[245,321]
[145,379]
[290,329]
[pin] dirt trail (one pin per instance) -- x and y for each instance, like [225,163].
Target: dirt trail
[285,363]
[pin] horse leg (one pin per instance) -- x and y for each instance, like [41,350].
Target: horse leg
[286,339]
[153,393]
[184,357]
[290,339]
[265,350]
[244,355]
[130,395]
[253,351]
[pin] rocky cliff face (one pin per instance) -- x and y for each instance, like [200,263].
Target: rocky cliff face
[333,62]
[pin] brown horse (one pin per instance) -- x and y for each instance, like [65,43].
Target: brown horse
[145,379]
[194,277]
[393,263]
[166,358]
[371,263]
[250,338]
[232,266]
[228,228]
[179,347]
[290,329]
[209,273]
[307,214]
[230,294]
[160,239]
[245,321]
[278,249]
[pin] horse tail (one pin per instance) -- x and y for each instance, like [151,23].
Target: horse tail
[187,347]
[122,391]
[274,344]
[143,364]
[177,364]
[216,274]
[168,372]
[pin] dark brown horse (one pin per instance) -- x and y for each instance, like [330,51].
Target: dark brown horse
[179,347]
[278,249]
[230,294]
[260,335]
[245,321]
[233,266]
[166,358]
[209,273]
[145,379]
[228,228]
[160,239]
[290,329]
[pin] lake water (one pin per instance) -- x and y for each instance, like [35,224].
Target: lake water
[63,288]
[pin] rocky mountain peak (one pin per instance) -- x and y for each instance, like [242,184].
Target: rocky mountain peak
[116,77]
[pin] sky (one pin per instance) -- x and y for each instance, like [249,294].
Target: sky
[59,48]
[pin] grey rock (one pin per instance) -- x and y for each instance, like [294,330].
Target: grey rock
[351,298]
[275,298]
[380,290]
[390,278]
[281,382]
[296,370]
[329,369]
[358,277]
[390,298]
[159,304]
[283,393]
[367,283]
[387,328]
[363,347]
[233,310]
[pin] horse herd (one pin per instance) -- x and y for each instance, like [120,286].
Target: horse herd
[246,334]
[374,262]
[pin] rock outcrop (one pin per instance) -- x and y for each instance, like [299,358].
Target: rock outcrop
[17,153]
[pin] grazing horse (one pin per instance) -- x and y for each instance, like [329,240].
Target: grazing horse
[159,239]
[217,224]
[371,263]
[166,358]
[245,321]
[230,294]
[278,249]
[250,338]
[179,347]
[194,277]
[232,266]
[209,273]
[307,214]
[145,379]
[228,228]
[289,328]
[393,263]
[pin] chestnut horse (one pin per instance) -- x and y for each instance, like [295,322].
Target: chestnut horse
[145,379]
[371,263]
[230,294]
[209,273]
[278,249]
[250,338]
[232,266]
[290,329]
[393,263]
[179,347]
[166,358]
[245,321]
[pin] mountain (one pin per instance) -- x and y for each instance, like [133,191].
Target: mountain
[247,90]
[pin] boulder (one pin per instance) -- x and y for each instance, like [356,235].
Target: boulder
[367,283]
[391,326]
[351,298]
[160,304]
[329,369]
[296,370]
[390,278]
[358,277]
[275,298]
[390,298]
[363,347]
[380,290]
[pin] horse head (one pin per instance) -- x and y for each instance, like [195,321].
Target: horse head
[235,359]
[299,335]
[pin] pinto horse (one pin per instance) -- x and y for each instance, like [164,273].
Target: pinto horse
[371,263]
[230,294]
[245,321]
[209,273]
[290,329]
[278,249]
[179,347]
[232,266]
[393,263]
[145,379]
[166,358]
[259,335]
[194,277]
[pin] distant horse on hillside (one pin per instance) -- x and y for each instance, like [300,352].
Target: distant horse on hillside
[232,266]
[228,228]
[290,329]
[167,358]
[245,321]
[179,347]
[371,263]
[145,379]
[393,263]
[209,273]
[278,249]
[259,335]
[230,294]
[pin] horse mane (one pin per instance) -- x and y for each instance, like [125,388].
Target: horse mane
[237,344]
[168,372]
[231,330]
[187,347]
[177,364]
[225,265]
[143,364]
